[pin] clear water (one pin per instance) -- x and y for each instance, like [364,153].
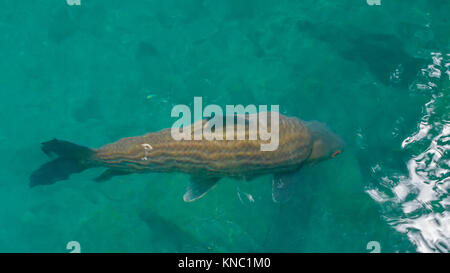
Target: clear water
[91,74]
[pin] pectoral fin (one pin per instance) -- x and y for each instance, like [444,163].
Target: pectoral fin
[282,186]
[198,187]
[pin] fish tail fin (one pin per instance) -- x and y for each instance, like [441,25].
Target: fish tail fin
[72,158]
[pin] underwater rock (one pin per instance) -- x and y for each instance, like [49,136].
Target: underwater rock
[383,54]
[168,233]
[114,229]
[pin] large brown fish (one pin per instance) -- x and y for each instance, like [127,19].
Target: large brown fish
[207,161]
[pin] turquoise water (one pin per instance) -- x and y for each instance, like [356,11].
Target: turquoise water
[94,73]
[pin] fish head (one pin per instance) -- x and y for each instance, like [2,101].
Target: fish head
[325,143]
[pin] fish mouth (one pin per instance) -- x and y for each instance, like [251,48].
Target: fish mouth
[336,144]
[338,147]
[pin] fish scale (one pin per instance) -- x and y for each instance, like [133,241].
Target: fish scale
[235,158]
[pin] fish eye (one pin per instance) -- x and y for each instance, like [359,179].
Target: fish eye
[336,153]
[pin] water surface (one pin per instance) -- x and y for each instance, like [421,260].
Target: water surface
[91,74]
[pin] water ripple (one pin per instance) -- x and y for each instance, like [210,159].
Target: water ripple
[418,203]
